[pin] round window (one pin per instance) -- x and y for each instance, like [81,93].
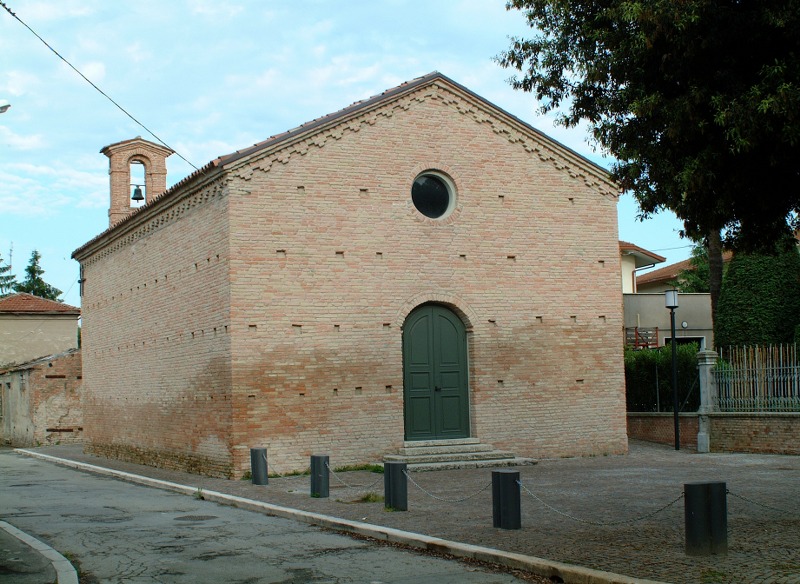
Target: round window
[433,195]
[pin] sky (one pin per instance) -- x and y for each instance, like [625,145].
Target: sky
[209,78]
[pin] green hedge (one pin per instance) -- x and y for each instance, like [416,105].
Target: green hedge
[649,372]
[760,300]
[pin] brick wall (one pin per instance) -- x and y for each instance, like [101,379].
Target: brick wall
[765,433]
[316,257]
[156,340]
[42,402]
[660,428]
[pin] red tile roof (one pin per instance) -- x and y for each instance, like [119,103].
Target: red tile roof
[24,303]
[670,272]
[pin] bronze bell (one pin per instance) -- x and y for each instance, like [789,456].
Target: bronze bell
[137,194]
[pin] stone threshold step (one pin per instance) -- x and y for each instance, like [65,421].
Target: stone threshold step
[454,449]
[460,457]
[455,465]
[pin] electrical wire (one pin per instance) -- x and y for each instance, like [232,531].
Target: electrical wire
[103,93]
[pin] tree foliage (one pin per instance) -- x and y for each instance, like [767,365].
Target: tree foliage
[696,277]
[8,281]
[698,101]
[33,282]
[760,299]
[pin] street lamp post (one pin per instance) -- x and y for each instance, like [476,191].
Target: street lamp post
[671,302]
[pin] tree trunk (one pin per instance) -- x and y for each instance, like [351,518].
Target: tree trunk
[714,243]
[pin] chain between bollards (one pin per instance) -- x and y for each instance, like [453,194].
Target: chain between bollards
[601,523]
[363,487]
[431,495]
[752,502]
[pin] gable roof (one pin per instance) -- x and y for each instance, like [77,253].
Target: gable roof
[556,151]
[33,363]
[24,303]
[641,255]
[670,272]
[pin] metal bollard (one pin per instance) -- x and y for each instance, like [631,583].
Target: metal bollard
[258,466]
[320,479]
[506,513]
[395,486]
[706,516]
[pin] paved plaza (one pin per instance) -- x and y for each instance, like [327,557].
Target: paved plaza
[619,514]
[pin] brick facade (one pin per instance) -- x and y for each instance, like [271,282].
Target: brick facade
[41,401]
[260,302]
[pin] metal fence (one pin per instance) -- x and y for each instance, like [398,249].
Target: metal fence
[758,379]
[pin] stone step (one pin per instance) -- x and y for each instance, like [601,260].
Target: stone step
[443,449]
[449,442]
[454,465]
[451,457]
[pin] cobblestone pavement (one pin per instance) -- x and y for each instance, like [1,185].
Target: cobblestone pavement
[622,514]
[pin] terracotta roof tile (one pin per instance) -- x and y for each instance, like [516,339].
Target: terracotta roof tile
[670,272]
[24,303]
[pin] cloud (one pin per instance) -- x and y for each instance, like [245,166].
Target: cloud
[33,12]
[19,142]
[213,9]
[35,190]
[95,71]
[18,83]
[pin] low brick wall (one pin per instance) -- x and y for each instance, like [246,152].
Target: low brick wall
[660,428]
[764,433]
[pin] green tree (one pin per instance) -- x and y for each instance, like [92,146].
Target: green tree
[8,281]
[697,100]
[696,277]
[33,282]
[760,300]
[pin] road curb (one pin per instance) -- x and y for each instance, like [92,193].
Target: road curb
[568,573]
[65,571]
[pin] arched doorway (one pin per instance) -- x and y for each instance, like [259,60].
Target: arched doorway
[435,375]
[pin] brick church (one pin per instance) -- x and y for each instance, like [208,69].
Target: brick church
[420,266]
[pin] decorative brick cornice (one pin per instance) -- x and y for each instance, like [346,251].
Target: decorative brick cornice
[465,103]
[159,218]
[283,148]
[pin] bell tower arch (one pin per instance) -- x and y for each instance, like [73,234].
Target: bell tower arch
[152,156]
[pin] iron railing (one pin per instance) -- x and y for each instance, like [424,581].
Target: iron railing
[758,379]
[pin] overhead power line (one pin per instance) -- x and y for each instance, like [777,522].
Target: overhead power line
[103,93]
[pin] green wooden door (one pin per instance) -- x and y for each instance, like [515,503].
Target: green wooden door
[435,375]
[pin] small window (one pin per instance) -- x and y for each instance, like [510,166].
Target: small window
[433,194]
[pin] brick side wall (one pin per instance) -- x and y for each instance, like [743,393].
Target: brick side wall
[42,404]
[660,428]
[156,341]
[329,257]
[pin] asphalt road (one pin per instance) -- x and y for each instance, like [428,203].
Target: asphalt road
[119,532]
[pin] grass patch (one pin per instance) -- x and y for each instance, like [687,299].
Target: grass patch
[247,475]
[294,473]
[370,498]
[376,468]
[711,576]
[198,494]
